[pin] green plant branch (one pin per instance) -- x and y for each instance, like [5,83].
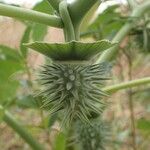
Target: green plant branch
[128,54]
[11,121]
[137,12]
[77,11]
[114,88]
[68,26]
[30,15]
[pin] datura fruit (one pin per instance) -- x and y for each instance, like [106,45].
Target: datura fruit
[71,84]
[94,136]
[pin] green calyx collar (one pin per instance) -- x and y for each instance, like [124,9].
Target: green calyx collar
[70,51]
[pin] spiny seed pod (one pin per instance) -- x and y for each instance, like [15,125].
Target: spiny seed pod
[94,136]
[73,89]
[70,84]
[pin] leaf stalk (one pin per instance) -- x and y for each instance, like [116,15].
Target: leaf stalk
[15,125]
[130,84]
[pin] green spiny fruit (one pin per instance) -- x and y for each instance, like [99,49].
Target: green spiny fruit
[69,84]
[73,89]
[94,136]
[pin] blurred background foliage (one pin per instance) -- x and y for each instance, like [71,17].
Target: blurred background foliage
[17,77]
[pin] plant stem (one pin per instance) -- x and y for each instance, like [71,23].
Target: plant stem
[68,26]
[128,54]
[137,12]
[30,15]
[11,121]
[114,88]
[77,11]
[132,118]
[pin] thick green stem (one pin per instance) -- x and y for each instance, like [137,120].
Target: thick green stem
[137,12]
[68,26]
[11,121]
[77,11]
[30,15]
[129,84]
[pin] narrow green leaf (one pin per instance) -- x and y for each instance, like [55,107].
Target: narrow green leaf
[8,53]
[27,102]
[25,38]
[60,143]
[9,64]
[38,32]
[106,25]
[143,125]
[90,14]
[44,7]
[1,113]
[52,120]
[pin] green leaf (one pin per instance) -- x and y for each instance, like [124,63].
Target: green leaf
[60,142]
[106,25]
[1,113]
[73,50]
[143,125]
[27,102]
[44,7]
[107,16]
[142,36]
[8,53]
[143,96]
[38,32]
[25,38]
[9,64]
[51,120]
[90,14]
